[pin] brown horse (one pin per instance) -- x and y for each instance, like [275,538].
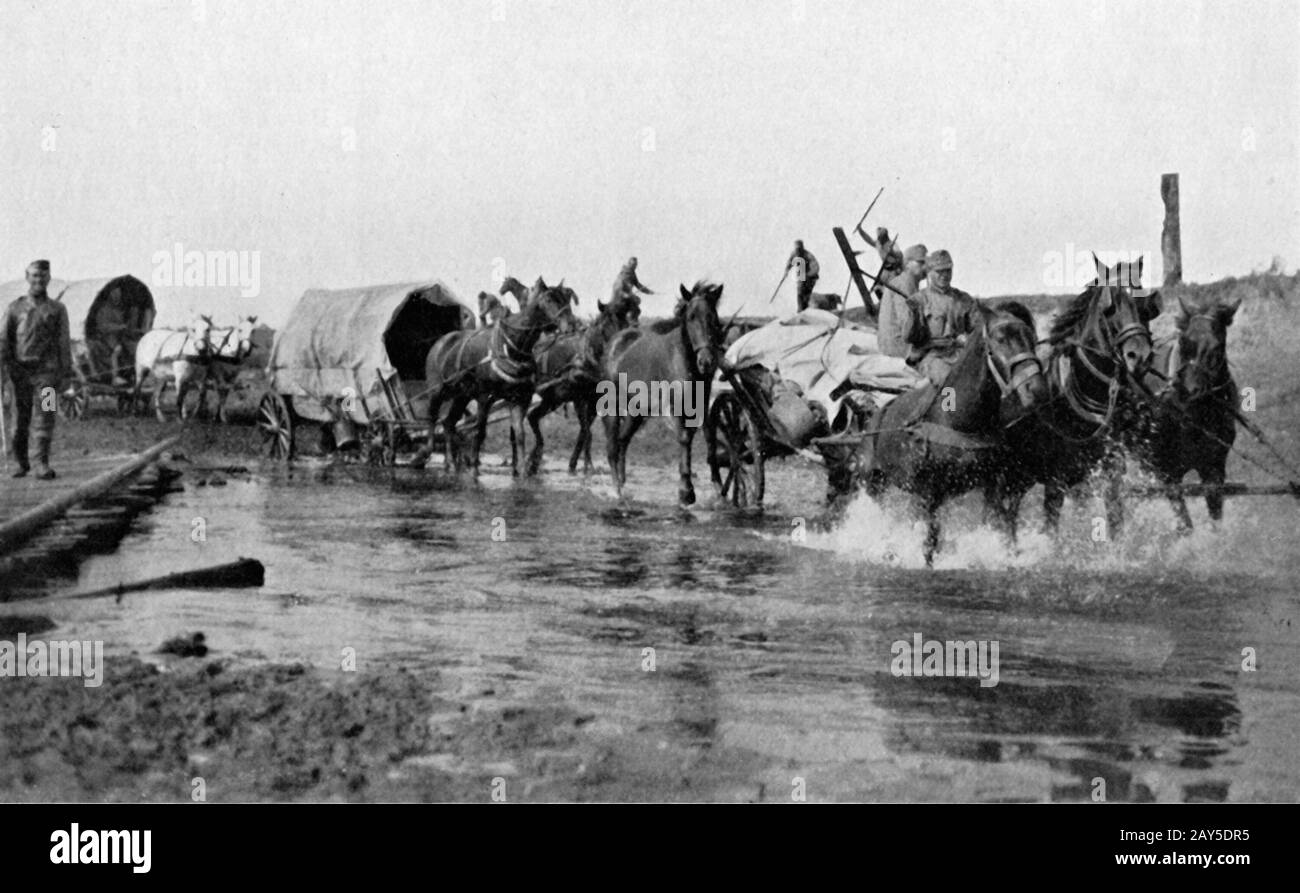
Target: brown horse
[487,365]
[681,353]
[937,442]
[1191,423]
[568,368]
[1099,345]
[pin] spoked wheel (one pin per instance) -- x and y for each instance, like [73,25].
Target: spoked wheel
[275,428]
[381,445]
[74,402]
[739,451]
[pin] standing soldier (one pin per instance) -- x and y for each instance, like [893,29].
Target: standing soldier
[898,314]
[946,316]
[626,284]
[806,272]
[36,353]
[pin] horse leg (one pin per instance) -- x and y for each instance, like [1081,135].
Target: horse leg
[1174,493]
[1114,496]
[626,432]
[930,508]
[1212,476]
[454,450]
[583,438]
[158,396]
[535,416]
[612,432]
[1053,499]
[517,450]
[685,489]
[586,416]
[480,432]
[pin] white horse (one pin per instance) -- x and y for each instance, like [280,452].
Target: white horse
[181,355]
[230,348]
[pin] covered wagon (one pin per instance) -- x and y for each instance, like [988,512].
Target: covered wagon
[352,360]
[106,318]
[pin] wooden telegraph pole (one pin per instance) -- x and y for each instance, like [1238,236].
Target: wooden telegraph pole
[1171,243]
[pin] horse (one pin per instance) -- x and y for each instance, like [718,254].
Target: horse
[182,352]
[487,365]
[1191,420]
[1098,346]
[682,351]
[939,441]
[231,346]
[568,369]
[512,286]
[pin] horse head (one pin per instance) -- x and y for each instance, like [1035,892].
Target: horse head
[1117,319]
[200,336]
[244,336]
[550,307]
[1009,340]
[1202,345]
[569,323]
[698,309]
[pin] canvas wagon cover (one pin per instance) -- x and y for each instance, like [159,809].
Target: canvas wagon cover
[819,352]
[335,339]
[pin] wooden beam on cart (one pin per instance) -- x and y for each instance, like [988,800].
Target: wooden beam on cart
[855,271]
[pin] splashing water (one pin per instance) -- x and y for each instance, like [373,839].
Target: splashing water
[1250,539]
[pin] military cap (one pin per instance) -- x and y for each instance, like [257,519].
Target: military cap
[916,252]
[39,265]
[939,260]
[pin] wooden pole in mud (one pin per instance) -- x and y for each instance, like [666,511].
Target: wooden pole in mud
[24,526]
[1171,242]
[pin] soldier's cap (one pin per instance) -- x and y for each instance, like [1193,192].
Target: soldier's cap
[939,260]
[39,265]
[916,252]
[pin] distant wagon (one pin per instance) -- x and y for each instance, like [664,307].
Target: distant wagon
[106,317]
[352,360]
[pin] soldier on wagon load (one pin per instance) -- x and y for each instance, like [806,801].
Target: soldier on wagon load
[941,318]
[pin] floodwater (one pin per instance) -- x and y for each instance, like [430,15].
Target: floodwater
[771,653]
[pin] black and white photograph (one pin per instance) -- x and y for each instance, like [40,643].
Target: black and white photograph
[556,402]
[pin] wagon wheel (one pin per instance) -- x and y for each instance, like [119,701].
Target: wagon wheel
[740,449]
[381,445]
[275,427]
[74,402]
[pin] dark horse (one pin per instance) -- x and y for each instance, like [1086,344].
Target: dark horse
[1098,344]
[1191,421]
[487,365]
[568,369]
[937,442]
[680,354]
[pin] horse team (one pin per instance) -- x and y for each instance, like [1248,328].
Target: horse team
[1014,412]
[199,356]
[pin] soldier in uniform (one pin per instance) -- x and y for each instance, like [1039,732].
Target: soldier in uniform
[806,273]
[946,315]
[898,312]
[626,284]
[36,354]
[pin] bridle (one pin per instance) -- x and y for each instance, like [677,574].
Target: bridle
[1021,367]
[1101,328]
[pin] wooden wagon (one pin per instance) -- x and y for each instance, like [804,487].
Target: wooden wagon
[352,362]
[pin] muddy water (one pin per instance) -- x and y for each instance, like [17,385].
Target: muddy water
[771,657]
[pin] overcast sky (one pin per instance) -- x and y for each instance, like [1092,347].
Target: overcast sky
[353,143]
